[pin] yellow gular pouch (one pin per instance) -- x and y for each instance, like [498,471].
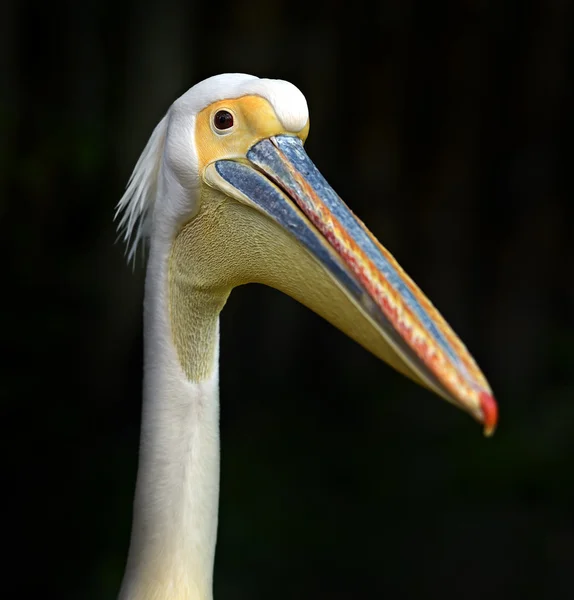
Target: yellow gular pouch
[217,249]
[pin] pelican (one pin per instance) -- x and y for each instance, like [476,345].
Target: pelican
[224,194]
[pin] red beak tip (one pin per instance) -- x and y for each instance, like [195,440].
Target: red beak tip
[489,413]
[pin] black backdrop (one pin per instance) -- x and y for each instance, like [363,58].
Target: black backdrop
[444,126]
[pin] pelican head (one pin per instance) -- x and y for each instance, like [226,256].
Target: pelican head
[227,195]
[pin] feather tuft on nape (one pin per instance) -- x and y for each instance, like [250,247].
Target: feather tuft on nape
[135,209]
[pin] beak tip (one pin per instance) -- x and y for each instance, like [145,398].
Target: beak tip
[489,410]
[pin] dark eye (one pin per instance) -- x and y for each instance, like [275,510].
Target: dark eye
[223,119]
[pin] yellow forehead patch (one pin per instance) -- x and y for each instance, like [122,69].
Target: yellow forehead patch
[253,120]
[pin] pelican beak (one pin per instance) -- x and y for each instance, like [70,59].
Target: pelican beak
[279,179]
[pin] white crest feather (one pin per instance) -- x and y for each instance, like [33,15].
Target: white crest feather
[136,205]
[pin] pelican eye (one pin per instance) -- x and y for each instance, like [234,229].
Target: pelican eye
[223,119]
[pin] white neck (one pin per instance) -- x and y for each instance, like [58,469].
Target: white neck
[175,509]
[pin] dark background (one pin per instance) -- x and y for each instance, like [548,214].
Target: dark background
[444,126]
